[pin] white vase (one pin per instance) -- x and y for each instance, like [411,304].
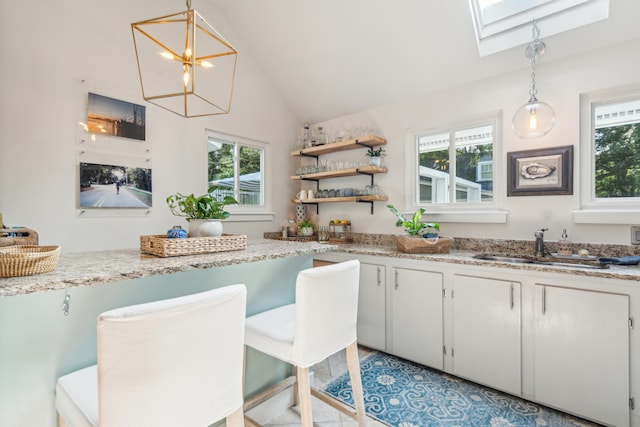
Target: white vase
[205,228]
[374,161]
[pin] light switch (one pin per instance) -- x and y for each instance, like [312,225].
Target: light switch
[635,234]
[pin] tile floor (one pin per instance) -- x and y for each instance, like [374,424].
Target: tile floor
[323,414]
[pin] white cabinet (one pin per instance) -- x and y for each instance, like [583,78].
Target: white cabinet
[582,352]
[486,332]
[416,318]
[371,306]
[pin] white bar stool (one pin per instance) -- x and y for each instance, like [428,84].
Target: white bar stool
[175,362]
[320,323]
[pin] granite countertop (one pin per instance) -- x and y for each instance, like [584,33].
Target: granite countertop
[89,268]
[465,256]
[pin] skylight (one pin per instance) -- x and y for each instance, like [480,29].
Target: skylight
[503,24]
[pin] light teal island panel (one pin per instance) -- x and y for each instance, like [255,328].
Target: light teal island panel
[39,343]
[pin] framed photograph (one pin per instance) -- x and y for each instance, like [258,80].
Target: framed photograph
[109,116]
[114,186]
[543,172]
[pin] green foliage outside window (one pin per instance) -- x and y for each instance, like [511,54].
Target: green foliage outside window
[617,161]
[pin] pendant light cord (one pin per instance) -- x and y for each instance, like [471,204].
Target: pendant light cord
[533,50]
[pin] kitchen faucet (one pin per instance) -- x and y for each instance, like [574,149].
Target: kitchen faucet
[539,252]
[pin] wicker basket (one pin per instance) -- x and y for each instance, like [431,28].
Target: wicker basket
[160,245]
[26,260]
[419,245]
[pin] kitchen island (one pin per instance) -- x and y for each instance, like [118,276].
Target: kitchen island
[48,321]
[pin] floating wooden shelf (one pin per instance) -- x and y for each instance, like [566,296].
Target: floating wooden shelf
[334,147]
[341,199]
[368,141]
[365,170]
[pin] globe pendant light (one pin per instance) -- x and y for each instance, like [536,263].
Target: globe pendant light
[535,118]
[185,65]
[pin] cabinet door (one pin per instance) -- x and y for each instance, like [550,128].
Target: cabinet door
[486,332]
[582,352]
[417,323]
[371,306]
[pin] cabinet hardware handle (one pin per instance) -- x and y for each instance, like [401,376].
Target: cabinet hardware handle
[396,279]
[65,304]
[378,275]
[544,300]
[511,296]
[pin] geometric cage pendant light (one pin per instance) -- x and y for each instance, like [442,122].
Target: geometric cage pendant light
[185,65]
[535,118]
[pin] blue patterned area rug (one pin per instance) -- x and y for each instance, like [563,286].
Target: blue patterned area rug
[400,393]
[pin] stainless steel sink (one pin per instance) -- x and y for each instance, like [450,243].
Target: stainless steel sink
[505,258]
[524,259]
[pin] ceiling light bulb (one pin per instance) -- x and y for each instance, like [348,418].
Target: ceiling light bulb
[187,54]
[533,120]
[185,76]
[166,55]
[206,64]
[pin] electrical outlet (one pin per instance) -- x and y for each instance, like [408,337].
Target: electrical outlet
[635,234]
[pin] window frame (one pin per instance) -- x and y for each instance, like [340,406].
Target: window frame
[603,210]
[510,26]
[262,212]
[465,212]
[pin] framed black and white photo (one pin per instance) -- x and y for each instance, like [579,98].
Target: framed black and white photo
[541,172]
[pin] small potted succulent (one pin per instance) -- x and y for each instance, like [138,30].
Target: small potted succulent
[375,155]
[202,212]
[306,228]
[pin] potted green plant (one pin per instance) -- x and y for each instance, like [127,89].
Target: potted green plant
[375,155]
[202,212]
[414,226]
[306,227]
[415,229]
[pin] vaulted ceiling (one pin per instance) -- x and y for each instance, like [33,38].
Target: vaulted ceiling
[329,58]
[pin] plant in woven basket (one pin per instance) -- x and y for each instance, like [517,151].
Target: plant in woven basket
[206,206]
[415,225]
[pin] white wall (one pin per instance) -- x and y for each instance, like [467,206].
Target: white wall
[47,47]
[45,55]
[559,84]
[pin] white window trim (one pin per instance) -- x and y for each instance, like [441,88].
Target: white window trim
[246,213]
[487,212]
[603,211]
[513,27]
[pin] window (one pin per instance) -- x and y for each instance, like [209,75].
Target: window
[464,155]
[237,167]
[610,157]
[468,162]
[503,24]
[616,140]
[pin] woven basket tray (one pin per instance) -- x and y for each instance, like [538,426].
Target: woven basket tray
[162,246]
[26,260]
[419,245]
